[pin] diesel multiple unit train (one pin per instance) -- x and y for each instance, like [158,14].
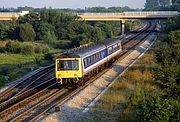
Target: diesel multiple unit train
[78,65]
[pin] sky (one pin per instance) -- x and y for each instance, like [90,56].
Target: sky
[71,3]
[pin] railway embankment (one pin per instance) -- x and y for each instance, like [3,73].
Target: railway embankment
[81,104]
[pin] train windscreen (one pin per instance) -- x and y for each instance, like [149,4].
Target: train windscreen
[68,65]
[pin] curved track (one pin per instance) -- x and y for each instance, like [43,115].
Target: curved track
[25,83]
[34,96]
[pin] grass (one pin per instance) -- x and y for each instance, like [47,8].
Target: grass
[14,66]
[16,58]
[111,106]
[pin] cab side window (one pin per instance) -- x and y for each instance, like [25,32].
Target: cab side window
[75,65]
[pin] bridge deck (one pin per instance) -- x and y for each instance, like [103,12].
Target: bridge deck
[12,15]
[128,15]
[105,16]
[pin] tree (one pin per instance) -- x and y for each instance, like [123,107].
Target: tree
[173,24]
[151,4]
[30,18]
[97,9]
[3,31]
[79,40]
[175,2]
[164,3]
[63,22]
[165,107]
[157,109]
[176,5]
[26,32]
[45,32]
[106,28]
[97,35]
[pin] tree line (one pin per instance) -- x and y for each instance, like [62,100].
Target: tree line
[86,9]
[60,28]
[162,5]
[57,25]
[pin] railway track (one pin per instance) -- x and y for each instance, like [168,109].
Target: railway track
[20,86]
[60,101]
[23,101]
[40,99]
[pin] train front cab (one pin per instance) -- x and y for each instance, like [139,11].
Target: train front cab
[68,70]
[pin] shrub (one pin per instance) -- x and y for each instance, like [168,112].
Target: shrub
[26,32]
[38,49]
[46,32]
[37,59]
[157,109]
[2,50]
[4,70]
[48,56]
[27,49]
[61,44]
[45,49]
[13,47]
[2,81]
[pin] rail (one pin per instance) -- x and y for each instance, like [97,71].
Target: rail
[33,113]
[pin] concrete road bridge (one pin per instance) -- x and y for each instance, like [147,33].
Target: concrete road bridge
[12,15]
[105,16]
[127,16]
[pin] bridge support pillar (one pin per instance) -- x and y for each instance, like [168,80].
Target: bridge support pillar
[122,26]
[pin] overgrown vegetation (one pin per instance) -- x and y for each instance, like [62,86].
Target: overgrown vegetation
[149,91]
[162,5]
[31,41]
[55,26]
[165,105]
[114,104]
[13,66]
[25,48]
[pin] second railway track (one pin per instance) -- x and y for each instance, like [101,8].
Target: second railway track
[35,103]
[24,83]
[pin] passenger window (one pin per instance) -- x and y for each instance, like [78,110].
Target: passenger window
[92,59]
[85,62]
[119,45]
[115,47]
[89,61]
[102,54]
[109,50]
[97,57]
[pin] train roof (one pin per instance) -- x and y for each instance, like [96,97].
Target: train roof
[110,41]
[85,51]
[90,50]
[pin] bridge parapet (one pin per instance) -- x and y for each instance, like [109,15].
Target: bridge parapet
[171,13]
[131,14]
[127,15]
